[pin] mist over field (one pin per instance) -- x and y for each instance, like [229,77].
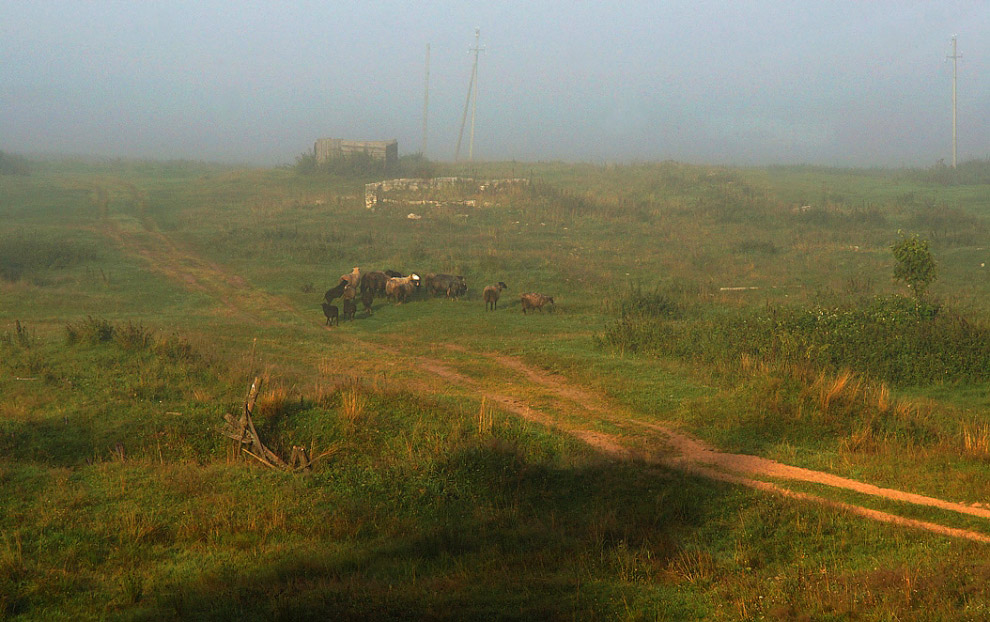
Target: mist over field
[838,83]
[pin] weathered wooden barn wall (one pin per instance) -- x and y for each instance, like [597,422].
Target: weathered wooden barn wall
[331,148]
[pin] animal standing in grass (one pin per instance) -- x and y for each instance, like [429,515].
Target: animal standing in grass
[367,297]
[336,291]
[350,308]
[353,277]
[445,285]
[536,301]
[399,289]
[350,293]
[331,311]
[491,294]
[374,282]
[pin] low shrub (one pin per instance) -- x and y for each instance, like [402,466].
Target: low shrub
[25,252]
[894,339]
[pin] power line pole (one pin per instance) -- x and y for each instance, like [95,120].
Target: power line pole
[472,85]
[955,57]
[474,102]
[426,99]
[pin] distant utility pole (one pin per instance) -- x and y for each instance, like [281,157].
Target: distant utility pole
[426,99]
[955,57]
[473,84]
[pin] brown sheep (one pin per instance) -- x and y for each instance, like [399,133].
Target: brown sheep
[353,277]
[331,312]
[445,285]
[399,289]
[491,293]
[350,292]
[350,308]
[367,297]
[374,282]
[535,301]
[457,288]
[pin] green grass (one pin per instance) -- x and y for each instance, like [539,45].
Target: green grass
[120,499]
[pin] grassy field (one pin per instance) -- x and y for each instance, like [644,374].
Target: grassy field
[490,465]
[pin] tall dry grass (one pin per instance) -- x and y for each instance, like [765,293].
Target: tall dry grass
[353,404]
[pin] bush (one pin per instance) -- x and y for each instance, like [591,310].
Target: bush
[26,253]
[306,163]
[895,339]
[915,264]
[417,165]
[350,165]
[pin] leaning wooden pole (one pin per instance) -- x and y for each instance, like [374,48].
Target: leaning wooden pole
[242,430]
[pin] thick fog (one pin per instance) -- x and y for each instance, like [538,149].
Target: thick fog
[847,83]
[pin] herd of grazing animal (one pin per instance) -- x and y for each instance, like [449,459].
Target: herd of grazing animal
[399,288]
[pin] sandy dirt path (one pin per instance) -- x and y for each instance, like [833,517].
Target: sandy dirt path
[585,409]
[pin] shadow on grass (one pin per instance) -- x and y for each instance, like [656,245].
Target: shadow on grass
[502,539]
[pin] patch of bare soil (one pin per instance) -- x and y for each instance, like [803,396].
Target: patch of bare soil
[666,446]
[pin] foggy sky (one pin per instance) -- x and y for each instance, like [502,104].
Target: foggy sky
[848,83]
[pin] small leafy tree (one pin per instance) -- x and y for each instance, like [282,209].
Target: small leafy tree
[915,264]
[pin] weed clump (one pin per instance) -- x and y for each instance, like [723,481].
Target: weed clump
[90,331]
[132,336]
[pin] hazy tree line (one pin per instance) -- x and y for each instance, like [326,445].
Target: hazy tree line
[11,164]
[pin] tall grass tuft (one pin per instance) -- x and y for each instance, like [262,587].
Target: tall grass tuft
[976,439]
[486,419]
[273,399]
[133,336]
[842,386]
[352,404]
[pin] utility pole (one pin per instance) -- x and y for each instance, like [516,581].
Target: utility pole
[955,57]
[472,85]
[426,99]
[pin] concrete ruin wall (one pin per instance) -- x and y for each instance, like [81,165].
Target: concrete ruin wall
[375,193]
